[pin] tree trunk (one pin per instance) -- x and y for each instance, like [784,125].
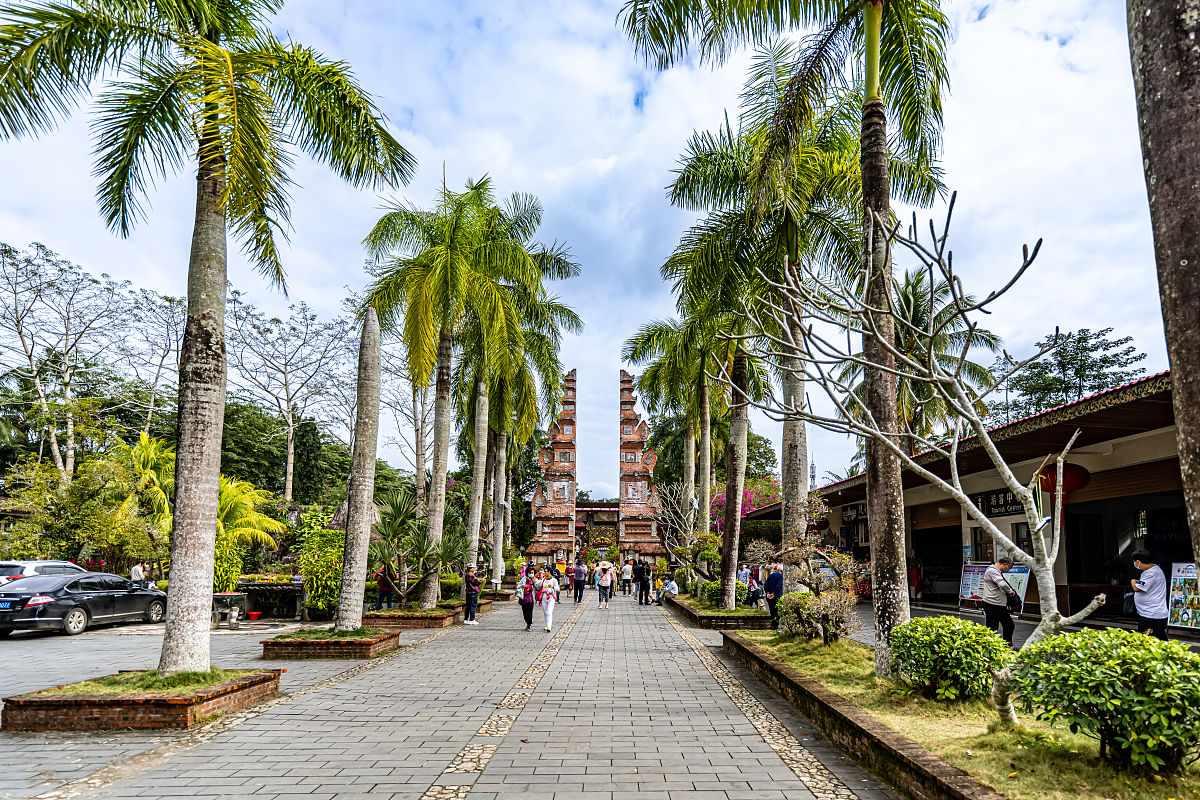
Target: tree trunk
[478,474]
[201,420]
[419,399]
[69,440]
[498,518]
[508,499]
[735,478]
[441,448]
[885,494]
[793,460]
[489,487]
[1163,37]
[290,467]
[689,479]
[704,518]
[360,512]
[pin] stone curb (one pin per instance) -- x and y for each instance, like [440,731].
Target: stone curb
[896,758]
[720,622]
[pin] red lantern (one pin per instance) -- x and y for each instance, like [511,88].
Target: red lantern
[1074,477]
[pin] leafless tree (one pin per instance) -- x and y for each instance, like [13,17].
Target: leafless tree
[284,363]
[150,351]
[57,322]
[834,309]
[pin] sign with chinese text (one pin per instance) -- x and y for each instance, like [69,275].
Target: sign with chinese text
[971,586]
[1183,598]
[998,503]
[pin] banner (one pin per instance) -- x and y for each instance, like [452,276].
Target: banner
[1183,598]
[969,588]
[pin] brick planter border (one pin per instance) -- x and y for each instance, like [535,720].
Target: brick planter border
[721,622]
[331,648]
[395,622]
[896,758]
[502,596]
[485,605]
[37,711]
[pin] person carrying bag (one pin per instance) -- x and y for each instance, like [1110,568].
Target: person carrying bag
[526,596]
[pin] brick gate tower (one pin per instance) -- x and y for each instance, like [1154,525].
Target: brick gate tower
[553,502]
[638,499]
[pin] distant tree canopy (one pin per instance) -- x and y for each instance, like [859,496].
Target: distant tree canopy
[1084,363]
[669,435]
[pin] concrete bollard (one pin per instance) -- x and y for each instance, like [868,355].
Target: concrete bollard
[234,613]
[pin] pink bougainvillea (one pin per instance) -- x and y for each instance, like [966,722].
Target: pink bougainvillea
[756,494]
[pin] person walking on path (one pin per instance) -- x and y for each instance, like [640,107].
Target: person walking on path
[604,583]
[641,574]
[580,580]
[774,590]
[994,590]
[626,576]
[386,587]
[547,595]
[472,584]
[526,597]
[1150,596]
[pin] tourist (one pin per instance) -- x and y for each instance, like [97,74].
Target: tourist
[1150,596]
[657,586]
[994,589]
[137,575]
[604,583]
[526,597]
[547,595]
[754,592]
[773,591]
[643,585]
[916,574]
[385,587]
[627,576]
[639,573]
[743,575]
[472,584]
[668,589]
[580,576]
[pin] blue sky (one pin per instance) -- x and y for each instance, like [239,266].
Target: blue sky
[1041,141]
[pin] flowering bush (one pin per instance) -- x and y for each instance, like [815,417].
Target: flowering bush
[756,494]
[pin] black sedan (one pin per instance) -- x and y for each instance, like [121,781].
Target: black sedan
[70,603]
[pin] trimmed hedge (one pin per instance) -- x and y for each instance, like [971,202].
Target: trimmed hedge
[947,658]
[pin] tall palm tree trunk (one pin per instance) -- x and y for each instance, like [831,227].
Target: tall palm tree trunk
[689,478]
[478,473]
[201,421]
[498,518]
[885,494]
[290,466]
[508,499]
[1166,81]
[704,518]
[360,513]
[489,487]
[420,397]
[735,479]
[441,449]
[793,462]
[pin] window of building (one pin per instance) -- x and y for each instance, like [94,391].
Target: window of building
[570,392]
[567,429]
[630,456]
[627,430]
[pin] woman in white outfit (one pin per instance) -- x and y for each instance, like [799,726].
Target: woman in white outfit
[548,596]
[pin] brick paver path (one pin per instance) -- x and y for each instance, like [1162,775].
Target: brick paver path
[618,704]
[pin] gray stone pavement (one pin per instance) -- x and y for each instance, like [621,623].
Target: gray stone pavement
[620,702]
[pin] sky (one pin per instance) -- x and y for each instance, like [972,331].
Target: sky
[1040,142]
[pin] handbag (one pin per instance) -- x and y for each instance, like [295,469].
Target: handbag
[527,596]
[1130,606]
[1013,603]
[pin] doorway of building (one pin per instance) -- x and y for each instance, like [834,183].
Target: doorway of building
[940,553]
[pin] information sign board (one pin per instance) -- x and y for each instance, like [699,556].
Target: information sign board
[970,587]
[1183,598]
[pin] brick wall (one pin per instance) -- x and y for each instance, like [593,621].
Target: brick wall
[406,621]
[331,648]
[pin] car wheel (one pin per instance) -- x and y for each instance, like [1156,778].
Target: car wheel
[75,622]
[156,611]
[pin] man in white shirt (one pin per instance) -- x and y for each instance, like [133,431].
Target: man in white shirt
[137,575]
[627,577]
[1150,596]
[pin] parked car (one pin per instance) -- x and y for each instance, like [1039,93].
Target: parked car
[71,603]
[11,570]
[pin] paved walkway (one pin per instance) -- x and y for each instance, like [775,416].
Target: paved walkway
[615,704]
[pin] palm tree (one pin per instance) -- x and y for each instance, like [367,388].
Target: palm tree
[454,266]
[203,80]
[152,464]
[903,43]
[239,518]
[1163,54]
[920,409]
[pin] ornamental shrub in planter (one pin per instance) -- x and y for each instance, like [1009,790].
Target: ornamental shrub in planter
[1138,696]
[828,616]
[947,658]
[451,586]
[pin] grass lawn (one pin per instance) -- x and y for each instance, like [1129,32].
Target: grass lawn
[1035,763]
[330,633]
[704,607]
[144,682]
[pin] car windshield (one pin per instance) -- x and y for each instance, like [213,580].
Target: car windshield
[36,583]
[9,569]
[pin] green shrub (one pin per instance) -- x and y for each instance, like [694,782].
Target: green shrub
[1138,696]
[321,564]
[451,585]
[741,593]
[227,563]
[709,591]
[372,592]
[162,585]
[828,616]
[947,658]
